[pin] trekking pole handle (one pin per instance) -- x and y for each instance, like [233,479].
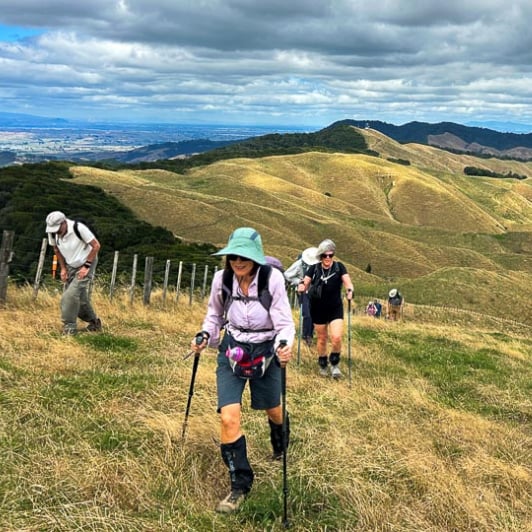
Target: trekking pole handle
[201,336]
[282,344]
[198,339]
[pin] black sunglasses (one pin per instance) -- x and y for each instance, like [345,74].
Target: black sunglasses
[327,255]
[236,257]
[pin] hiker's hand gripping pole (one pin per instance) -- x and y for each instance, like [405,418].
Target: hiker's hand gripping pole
[198,344]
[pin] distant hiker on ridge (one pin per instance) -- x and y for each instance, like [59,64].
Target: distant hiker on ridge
[394,305]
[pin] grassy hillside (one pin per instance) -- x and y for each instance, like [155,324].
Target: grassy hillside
[419,226]
[432,434]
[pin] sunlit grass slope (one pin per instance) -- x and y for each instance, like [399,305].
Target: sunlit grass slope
[392,223]
[432,432]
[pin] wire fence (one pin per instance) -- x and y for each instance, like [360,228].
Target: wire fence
[177,281]
[171,279]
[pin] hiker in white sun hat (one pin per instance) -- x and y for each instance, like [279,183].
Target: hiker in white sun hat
[394,305]
[295,275]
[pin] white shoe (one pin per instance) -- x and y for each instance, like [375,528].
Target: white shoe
[324,372]
[335,372]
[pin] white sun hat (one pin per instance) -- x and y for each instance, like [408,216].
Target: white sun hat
[310,256]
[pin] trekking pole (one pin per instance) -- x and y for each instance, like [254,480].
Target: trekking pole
[349,339]
[286,523]
[300,329]
[198,339]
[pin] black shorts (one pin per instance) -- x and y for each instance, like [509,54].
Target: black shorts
[323,314]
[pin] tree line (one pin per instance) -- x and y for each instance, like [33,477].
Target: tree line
[113,223]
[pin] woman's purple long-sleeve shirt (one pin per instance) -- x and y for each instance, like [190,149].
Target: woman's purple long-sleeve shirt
[250,314]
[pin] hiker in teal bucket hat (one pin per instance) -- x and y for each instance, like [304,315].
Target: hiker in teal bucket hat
[248,302]
[245,242]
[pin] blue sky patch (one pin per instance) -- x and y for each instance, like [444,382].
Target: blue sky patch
[16,33]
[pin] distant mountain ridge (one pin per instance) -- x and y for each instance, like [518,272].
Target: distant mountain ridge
[25,120]
[446,135]
[454,137]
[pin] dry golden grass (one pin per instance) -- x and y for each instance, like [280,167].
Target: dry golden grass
[433,433]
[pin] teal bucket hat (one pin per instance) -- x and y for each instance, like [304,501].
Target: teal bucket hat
[246,242]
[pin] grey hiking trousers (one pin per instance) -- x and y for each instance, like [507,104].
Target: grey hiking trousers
[75,301]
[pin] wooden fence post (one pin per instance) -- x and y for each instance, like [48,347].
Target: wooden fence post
[133,279]
[40,267]
[166,275]
[178,284]
[148,278]
[192,280]
[113,275]
[6,256]
[205,277]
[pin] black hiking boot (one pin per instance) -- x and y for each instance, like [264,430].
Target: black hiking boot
[232,502]
[94,325]
[276,437]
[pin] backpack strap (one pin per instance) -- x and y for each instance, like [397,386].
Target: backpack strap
[264,295]
[76,230]
[227,288]
[316,273]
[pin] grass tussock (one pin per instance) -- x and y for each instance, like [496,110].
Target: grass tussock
[432,433]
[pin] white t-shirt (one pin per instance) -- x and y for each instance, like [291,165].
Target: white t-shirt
[74,250]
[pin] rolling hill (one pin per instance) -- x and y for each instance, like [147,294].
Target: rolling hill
[445,238]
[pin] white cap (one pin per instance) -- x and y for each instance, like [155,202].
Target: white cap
[54,221]
[393,292]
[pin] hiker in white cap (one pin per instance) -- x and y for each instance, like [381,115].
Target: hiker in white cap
[76,249]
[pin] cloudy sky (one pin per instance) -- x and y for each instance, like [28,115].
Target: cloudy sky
[270,62]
